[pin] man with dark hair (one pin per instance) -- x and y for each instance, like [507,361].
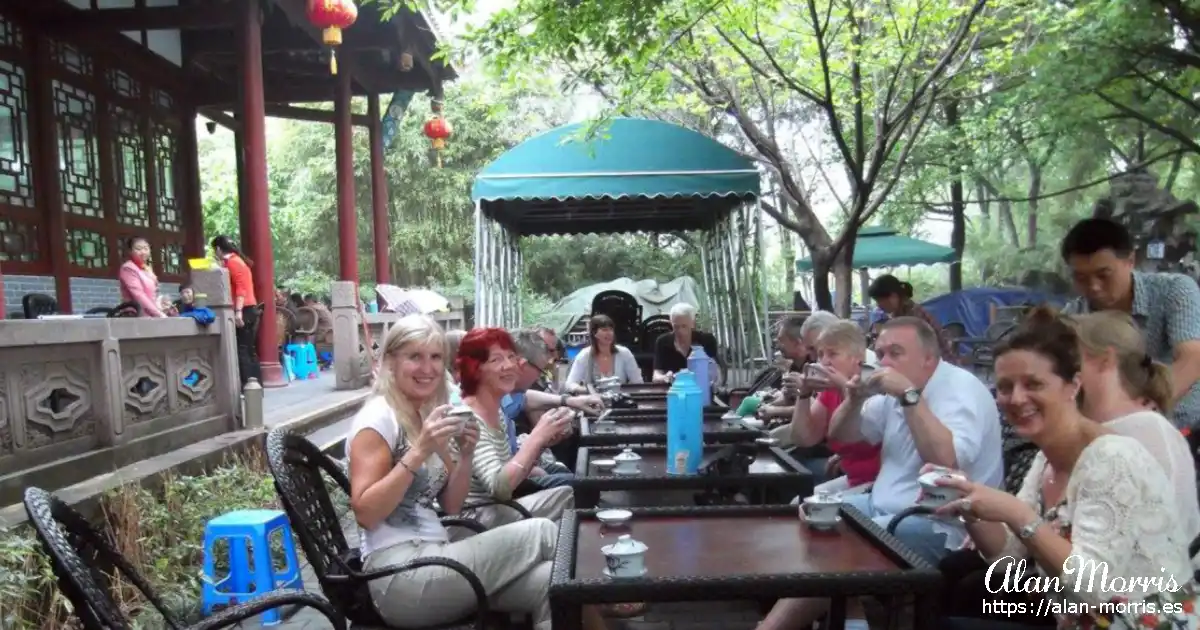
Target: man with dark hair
[1166,306]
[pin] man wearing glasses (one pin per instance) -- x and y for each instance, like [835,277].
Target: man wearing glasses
[527,404]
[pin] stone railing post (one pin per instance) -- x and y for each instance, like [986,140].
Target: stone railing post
[212,291]
[346,354]
[111,393]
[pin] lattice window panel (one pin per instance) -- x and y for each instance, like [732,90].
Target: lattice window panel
[19,241]
[124,85]
[166,153]
[16,188]
[129,163]
[172,259]
[10,34]
[87,249]
[72,59]
[75,113]
[163,100]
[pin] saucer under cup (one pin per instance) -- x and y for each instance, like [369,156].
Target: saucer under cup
[614,517]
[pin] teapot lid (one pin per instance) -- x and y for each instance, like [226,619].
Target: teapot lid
[625,546]
[627,455]
[823,498]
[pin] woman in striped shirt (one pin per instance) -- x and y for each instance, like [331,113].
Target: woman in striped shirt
[487,365]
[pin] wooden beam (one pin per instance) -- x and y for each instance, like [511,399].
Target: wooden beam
[313,89]
[217,43]
[149,19]
[221,118]
[291,112]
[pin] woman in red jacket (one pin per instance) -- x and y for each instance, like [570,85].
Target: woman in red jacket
[246,310]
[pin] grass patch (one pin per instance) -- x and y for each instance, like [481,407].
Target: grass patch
[161,531]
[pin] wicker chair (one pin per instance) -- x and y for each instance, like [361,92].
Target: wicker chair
[300,470]
[83,557]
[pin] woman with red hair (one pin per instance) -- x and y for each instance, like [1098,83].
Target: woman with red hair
[487,365]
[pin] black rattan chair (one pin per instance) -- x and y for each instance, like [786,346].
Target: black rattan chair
[84,558]
[300,470]
[35,304]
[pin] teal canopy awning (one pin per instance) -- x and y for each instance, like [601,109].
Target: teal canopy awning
[879,246]
[635,175]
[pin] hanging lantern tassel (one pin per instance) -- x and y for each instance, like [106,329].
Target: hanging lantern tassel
[332,37]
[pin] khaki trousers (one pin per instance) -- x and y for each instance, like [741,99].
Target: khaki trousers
[513,563]
[549,503]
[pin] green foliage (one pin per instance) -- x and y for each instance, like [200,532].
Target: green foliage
[161,532]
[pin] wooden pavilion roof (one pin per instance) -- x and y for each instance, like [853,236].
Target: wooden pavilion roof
[295,62]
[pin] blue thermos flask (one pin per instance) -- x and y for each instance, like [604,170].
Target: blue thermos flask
[685,425]
[698,362]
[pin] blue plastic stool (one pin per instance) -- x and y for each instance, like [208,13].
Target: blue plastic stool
[289,367]
[300,364]
[248,533]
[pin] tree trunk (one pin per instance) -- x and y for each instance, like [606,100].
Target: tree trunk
[822,301]
[1008,224]
[958,232]
[843,277]
[1035,189]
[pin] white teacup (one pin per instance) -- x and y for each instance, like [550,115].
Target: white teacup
[461,414]
[625,558]
[821,509]
[753,422]
[933,495]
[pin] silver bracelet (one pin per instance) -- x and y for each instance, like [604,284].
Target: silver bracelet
[518,465]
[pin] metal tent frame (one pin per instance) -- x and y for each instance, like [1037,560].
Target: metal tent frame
[553,187]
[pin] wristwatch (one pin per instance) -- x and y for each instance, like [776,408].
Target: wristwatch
[564,400]
[1027,532]
[910,397]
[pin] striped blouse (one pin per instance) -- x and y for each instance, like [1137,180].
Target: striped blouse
[488,481]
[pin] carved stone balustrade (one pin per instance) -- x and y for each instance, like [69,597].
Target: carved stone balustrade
[355,353]
[82,397]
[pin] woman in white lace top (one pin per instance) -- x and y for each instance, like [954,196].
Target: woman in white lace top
[1095,524]
[1129,392]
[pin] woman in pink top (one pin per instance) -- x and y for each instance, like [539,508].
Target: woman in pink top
[138,282]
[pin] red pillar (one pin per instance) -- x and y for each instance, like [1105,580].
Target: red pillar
[379,194]
[257,201]
[2,308]
[344,157]
[239,168]
[194,245]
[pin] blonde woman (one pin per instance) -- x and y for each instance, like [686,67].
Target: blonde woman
[1128,392]
[406,454]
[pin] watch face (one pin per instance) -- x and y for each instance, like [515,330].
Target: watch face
[911,397]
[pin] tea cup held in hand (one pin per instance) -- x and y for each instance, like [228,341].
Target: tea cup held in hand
[821,510]
[625,558]
[461,415]
[934,495]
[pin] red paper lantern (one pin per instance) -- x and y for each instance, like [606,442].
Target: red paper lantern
[331,16]
[438,129]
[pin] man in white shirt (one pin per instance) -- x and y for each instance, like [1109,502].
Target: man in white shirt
[922,410]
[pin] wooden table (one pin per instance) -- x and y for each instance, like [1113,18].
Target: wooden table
[774,477]
[758,553]
[653,430]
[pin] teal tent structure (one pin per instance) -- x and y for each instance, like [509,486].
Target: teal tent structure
[879,246]
[635,175]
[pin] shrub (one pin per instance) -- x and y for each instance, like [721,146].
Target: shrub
[161,531]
